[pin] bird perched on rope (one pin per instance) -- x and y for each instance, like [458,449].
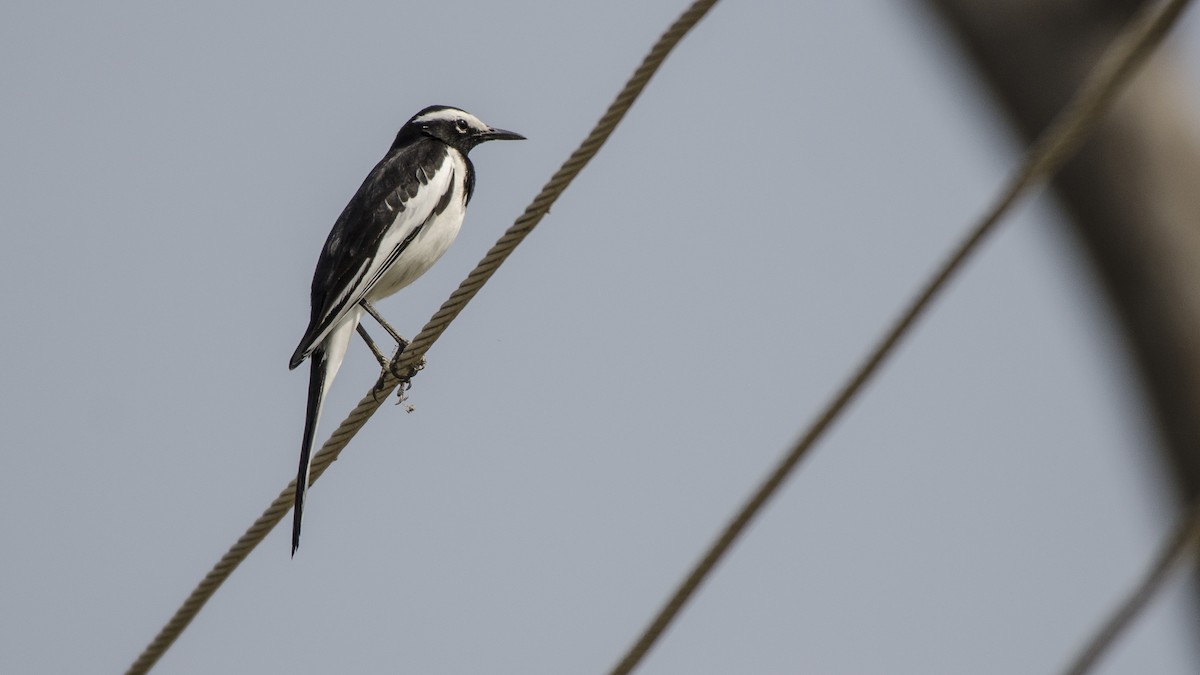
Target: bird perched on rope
[402,219]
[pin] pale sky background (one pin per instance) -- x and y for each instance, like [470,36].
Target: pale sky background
[168,176]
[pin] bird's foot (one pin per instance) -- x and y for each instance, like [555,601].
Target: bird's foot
[404,375]
[405,382]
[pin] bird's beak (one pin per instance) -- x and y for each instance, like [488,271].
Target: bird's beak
[502,135]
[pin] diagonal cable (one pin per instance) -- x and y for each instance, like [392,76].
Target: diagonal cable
[1183,539]
[1053,147]
[420,344]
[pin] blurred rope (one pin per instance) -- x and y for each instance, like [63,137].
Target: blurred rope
[1047,154]
[420,344]
[1185,538]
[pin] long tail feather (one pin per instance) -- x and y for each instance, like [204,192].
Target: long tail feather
[316,398]
[326,360]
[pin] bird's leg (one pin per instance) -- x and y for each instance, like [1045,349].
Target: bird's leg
[383,361]
[389,365]
[386,326]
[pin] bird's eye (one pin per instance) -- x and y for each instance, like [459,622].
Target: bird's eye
[461,125]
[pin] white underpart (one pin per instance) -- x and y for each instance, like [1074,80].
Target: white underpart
[437,235]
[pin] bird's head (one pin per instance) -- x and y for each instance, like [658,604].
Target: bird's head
[457,128]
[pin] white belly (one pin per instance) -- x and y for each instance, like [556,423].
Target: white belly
[431,242]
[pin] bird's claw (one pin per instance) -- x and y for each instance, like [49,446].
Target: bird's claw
[405,382]
[404,376]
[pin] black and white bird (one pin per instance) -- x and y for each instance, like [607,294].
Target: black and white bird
[402,219]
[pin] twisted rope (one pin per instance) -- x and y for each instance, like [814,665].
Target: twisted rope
[1053,147]
[416,350]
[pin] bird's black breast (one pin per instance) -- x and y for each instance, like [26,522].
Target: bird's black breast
[469,181]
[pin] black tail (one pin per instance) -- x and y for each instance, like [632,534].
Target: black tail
[316,397]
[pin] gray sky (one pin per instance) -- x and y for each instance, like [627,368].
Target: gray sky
[170,172]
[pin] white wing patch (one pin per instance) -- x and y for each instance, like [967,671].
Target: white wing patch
[416,211]
[345,291]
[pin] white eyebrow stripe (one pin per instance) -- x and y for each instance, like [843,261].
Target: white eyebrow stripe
[449,115]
